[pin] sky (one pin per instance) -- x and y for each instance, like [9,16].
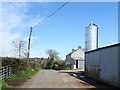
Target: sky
[62,32]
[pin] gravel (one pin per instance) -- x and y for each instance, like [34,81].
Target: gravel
[58,79]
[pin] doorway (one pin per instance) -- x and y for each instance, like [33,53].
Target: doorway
[76,63]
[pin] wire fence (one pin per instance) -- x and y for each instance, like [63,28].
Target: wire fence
[5,72]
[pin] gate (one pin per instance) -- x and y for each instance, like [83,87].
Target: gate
[5,72]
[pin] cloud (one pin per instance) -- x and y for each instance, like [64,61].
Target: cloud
[12,15]
[13,23]
[10,19]
[33,22]
[6,42]
[32,38]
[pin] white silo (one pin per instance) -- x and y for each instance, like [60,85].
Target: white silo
[91,37]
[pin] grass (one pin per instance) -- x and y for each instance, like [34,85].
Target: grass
[4,85]
[23,74]
[18,79]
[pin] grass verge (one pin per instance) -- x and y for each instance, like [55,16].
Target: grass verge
[18,79]
[23,74]
[4,85]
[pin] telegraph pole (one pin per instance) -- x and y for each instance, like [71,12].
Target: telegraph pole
[29,43]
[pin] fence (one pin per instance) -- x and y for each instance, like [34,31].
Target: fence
[5,72]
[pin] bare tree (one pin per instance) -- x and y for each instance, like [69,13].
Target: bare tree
[19,47]
[53,54]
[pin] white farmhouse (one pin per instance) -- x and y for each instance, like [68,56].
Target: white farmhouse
[76,58]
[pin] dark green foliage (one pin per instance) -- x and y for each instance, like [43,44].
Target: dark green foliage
[50,63]
[17,65]
[43,62]
[35,64]
[23,74]
[57,65]
[21,69]
[61,65]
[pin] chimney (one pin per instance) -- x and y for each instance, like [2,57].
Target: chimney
[79,47]
[73,50]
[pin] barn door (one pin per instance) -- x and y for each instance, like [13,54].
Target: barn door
[76,63]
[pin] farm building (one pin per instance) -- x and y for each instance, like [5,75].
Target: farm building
[76,58]
[104,64]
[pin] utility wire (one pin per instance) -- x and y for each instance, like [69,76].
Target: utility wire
[36,43]
[52,13]
[49,17]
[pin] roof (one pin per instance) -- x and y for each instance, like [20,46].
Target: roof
[71,52]
[92,24]
[118,44]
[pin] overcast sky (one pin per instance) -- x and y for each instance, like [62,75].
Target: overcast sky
[62,32]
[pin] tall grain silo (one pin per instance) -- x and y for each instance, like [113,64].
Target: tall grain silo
[91,37]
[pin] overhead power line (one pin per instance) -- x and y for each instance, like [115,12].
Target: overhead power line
[40,23]
[52,13]
[36,44]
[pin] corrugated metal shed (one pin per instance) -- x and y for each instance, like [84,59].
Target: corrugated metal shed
[104,64]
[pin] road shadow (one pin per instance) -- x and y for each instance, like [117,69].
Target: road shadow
[87,80]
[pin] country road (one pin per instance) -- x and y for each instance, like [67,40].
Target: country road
[45,79]
[55,79]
